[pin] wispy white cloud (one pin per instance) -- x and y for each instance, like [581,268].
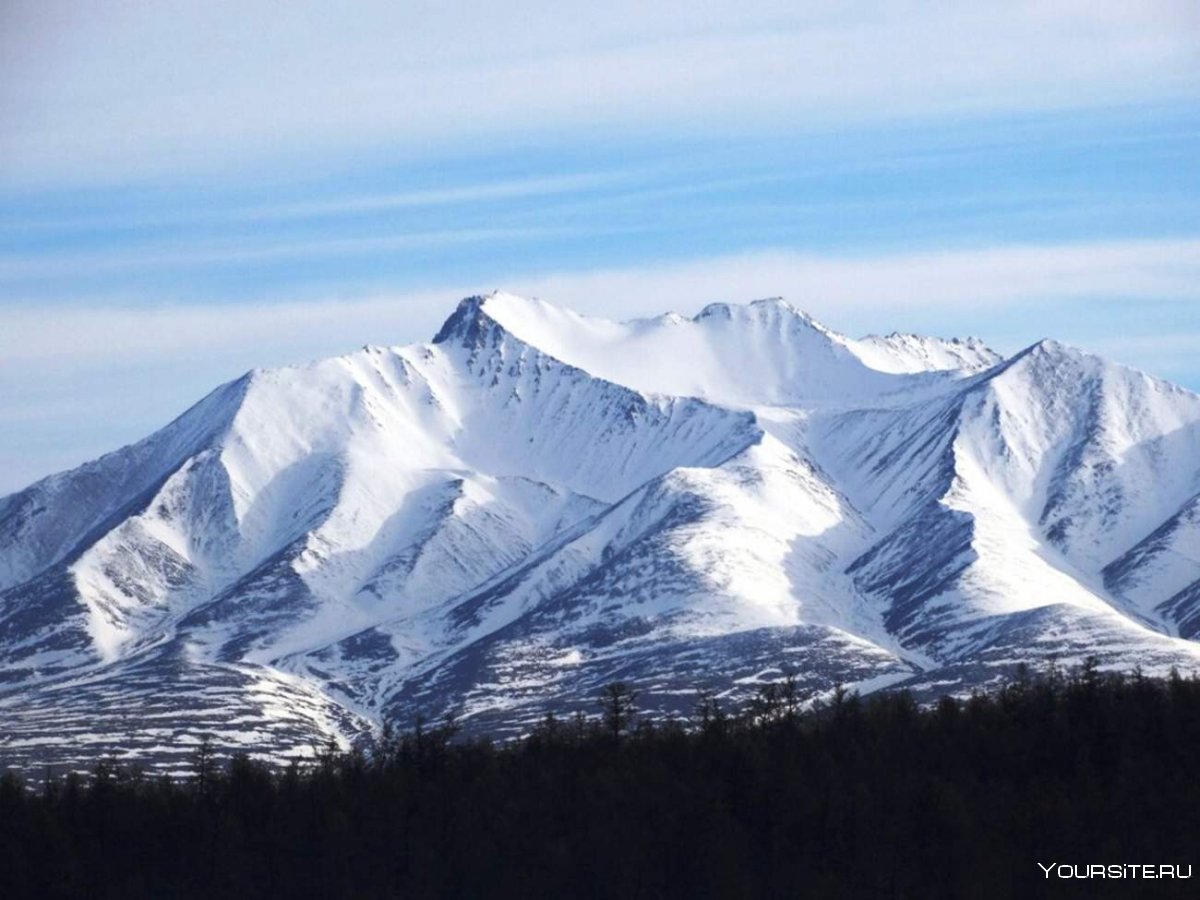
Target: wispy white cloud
[178,254]
[345,204]
[986,277]
[842,289]
[113,89]
[114,336]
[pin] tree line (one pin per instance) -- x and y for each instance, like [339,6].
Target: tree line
[847,797]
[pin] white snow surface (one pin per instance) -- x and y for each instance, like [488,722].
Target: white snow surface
[763,353]
[537,501]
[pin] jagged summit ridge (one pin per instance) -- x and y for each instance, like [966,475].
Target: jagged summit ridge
[497,522]
[763,353]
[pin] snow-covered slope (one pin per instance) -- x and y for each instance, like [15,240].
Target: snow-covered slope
[763,353]
[536,502]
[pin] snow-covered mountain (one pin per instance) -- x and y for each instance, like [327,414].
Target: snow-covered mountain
[536,503]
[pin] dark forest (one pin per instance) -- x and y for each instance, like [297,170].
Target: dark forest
[850,797]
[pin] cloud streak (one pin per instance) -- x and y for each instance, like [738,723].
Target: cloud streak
[986,277]
[177,254]
[350,204]
[131,88]
[838,288]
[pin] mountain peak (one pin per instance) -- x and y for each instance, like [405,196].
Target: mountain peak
[1048,357]
[463,326]
[544,501]
[763,352]
[764,309]
[1051,347]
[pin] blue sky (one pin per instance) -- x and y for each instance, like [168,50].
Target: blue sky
[189,192]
